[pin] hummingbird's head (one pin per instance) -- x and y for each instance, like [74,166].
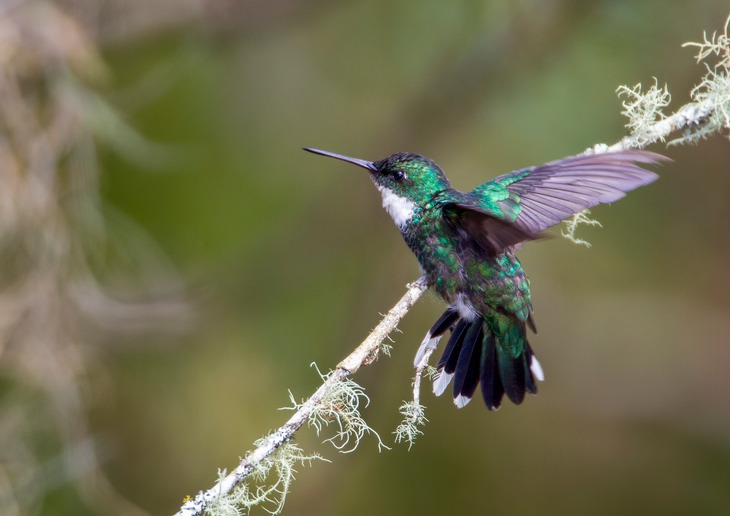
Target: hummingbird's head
[406,181]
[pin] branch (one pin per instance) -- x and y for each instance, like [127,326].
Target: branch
[412,411]
[708,114]
[689,118]
[363,355]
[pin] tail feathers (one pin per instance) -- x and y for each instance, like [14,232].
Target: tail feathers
[446,321]
[473,355]
[466,376]
[492,390]
[512,376]
[533,370]
[535,366]
[448,361]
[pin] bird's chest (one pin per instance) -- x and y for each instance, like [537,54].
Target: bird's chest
[496,282]
[437,254]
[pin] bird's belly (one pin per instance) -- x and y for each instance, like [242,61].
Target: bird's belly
[500,284]
[441,264]
[471,283]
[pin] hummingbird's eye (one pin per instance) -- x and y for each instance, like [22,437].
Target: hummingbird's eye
[398,175]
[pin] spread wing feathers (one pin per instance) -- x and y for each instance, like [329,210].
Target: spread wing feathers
[539,197]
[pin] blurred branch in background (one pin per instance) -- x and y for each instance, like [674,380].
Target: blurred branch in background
[58,259]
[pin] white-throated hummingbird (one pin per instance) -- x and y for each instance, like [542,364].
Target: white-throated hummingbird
[465,243]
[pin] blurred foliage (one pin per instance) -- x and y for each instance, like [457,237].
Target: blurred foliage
[197,110]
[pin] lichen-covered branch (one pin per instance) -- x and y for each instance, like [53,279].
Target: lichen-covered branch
[320,407]
[692,119]
[413,412]
[707,114]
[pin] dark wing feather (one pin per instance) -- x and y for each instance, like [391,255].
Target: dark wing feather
[471,226]
[539,197]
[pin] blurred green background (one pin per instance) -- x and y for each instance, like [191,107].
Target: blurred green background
[288,259]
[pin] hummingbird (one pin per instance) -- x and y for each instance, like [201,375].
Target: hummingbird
[465,243]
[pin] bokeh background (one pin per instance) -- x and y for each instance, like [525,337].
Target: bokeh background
[173,262]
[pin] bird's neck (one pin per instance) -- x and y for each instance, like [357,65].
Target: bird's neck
[401,209]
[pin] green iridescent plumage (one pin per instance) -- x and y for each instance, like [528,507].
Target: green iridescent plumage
[465,243]
[494,196]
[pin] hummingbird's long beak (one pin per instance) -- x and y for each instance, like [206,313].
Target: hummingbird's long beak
[367,165]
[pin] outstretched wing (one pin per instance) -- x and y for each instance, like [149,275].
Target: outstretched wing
[536,198]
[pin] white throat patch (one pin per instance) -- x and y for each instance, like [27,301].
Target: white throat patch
[399,208]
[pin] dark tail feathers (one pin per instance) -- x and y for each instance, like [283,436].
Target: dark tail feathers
[473,355]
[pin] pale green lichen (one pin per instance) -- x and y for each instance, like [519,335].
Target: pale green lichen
[644,109]
[571,226]
[714,90]
[413,417]
[430,372]
[341,405]
[708,114]
[386,348]
[716,45]
[269,482]
[267,485]
[414,414]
